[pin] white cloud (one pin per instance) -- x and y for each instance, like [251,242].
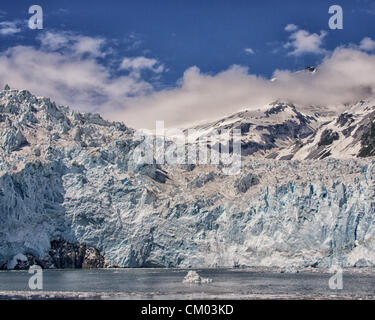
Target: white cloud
[89,45]
[345,76]
[302,42]
[54,41]
[80,81]
[75,44]
[249,51]
[367,44]
[9,27]
[291,27]
[140,63]
[69,77]
[133,41]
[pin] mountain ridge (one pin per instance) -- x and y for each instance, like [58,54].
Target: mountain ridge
[282,132]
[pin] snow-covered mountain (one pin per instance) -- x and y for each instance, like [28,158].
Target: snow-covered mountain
[265,131]
[68,186]
[348,135]
[280,131]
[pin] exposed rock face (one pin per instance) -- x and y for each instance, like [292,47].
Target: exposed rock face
[85,190]
[281,132]
[245,183]
[67,255]
[24,262]
[327,137]
[368,142]
[18,262]
[61,255]
[346,136]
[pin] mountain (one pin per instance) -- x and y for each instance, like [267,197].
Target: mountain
[279,131]
[351,134]
[265,131]
[72,195]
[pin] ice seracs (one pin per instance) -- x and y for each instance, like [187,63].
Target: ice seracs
[74,180]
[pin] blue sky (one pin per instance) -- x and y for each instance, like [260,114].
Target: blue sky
[173,36]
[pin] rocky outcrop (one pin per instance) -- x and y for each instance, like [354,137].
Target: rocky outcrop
[368,142]
[327,137]
[245,183]
[68,255]
[62,254]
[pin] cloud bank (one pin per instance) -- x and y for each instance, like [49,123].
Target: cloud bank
[249,51]
[67,68]
[345,76]
[9,27]
[367,44]
[137,64]
[302,41]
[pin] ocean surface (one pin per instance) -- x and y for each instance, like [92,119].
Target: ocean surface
[167,284]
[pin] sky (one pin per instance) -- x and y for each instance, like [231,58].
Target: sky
[187,61]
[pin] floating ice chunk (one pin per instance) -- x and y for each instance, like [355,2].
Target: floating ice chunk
[194,277]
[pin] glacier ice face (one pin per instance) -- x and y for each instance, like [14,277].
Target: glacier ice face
[74,180]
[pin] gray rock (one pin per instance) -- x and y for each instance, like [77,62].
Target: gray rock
[245,183]
[62,254]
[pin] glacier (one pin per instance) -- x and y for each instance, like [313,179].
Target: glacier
[68,175]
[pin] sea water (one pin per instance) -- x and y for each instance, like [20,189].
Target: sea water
[167,284]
